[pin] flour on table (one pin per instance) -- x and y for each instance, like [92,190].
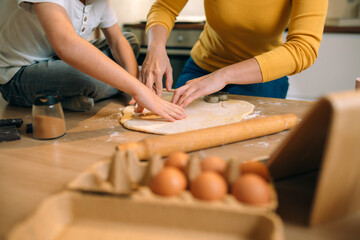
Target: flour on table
[200,114]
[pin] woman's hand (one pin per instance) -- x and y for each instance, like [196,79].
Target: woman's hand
[154,67]
[157,63]
[198,87]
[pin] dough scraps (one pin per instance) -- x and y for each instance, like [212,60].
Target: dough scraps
[200,114]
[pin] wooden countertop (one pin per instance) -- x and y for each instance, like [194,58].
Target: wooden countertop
[31,170]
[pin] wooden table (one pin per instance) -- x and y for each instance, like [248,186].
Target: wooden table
[31,170]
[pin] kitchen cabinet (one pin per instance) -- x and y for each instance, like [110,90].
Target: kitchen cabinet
[335,69]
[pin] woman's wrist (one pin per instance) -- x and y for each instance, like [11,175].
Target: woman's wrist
[245,72]
[157,37]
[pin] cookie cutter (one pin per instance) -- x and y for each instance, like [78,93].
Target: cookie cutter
[216,97]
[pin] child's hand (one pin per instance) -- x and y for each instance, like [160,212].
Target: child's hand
[155,104]
[138,108]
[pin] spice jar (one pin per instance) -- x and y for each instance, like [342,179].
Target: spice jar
[48,117]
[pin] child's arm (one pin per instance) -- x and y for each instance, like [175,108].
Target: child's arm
[83,56]
[121,49]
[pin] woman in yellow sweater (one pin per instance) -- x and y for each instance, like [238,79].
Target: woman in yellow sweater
[241,48]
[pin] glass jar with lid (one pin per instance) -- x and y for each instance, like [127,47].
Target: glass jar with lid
[48,117]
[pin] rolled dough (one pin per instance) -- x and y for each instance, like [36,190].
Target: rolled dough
[200,114]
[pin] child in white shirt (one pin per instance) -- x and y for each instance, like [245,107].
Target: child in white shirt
[43,48]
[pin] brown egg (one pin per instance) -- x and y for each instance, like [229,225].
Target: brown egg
[178,160]
[213,163]
[169,181]
[255,167]
[209,186]
[252,189]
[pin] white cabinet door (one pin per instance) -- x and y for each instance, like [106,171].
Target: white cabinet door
[336,68]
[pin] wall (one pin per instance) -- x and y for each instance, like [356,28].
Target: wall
[133,11]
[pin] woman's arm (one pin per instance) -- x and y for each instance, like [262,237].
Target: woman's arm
[156,62]
[83,56]
[306,27]
[245,72]
[299,52]
[160,21]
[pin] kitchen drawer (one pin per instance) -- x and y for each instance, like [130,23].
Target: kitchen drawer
[178,38]
[183,38]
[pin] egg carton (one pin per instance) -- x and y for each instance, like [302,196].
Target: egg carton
[113,200]
[126,175]
[82,216]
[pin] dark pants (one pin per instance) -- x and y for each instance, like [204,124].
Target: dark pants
[54,75]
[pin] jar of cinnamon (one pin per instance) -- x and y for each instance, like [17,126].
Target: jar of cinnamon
[48,117]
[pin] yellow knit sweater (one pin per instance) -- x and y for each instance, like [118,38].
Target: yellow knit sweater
[237,30]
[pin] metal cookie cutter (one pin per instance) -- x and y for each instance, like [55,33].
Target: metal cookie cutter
[216,97]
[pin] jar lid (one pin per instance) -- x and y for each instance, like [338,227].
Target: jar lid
[46,99]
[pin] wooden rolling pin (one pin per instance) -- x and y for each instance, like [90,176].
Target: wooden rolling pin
[210,137]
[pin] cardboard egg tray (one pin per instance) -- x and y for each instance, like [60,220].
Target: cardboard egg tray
[125,174]
[112,200]
[75,215]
